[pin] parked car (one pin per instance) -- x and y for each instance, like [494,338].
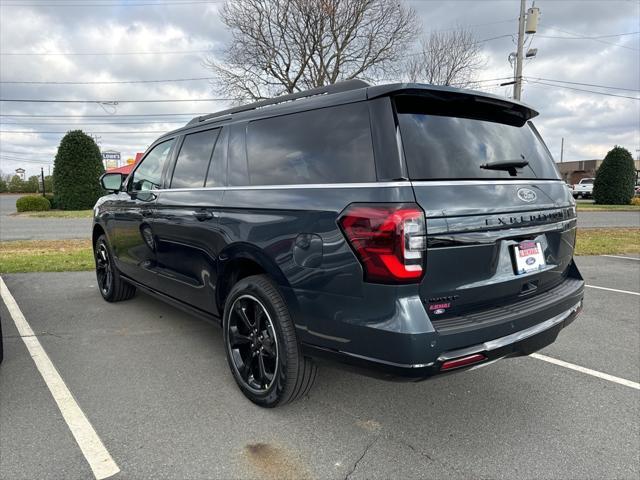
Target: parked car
[406,230]
[583,189]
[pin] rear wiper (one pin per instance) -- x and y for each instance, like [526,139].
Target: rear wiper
[508,165]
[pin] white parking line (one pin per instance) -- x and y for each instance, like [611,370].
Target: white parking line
[619,256]
[92,447]
[613,290]
[588,371]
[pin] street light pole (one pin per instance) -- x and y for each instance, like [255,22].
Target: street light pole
[517,86]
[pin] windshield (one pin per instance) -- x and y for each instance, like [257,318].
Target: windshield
[443,147]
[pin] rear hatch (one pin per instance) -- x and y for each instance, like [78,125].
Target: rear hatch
[500,222]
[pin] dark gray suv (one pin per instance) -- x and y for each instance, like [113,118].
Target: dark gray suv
[406,230]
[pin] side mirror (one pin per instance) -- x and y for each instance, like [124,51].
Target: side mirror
[112,182]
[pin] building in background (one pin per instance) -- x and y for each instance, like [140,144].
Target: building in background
[126,169]
[111,159]
[20,172]
[572,172]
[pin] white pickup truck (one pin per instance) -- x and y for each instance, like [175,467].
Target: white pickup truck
[583,189]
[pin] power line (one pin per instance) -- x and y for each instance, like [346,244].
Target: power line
[119,4]
[115,115]
[137,132]
[585,84]
[583,90]
[167,52]
[113,82]
[24,124]
[593,37]
[115,102]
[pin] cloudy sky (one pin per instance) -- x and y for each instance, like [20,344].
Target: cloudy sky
[594,44]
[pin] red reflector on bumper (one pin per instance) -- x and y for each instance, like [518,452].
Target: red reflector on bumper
[463,361]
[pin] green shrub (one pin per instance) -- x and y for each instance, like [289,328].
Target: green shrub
[52,200]
[32,203]
[76,172]
[615,178]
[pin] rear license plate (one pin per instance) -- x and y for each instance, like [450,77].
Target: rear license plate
[528,257]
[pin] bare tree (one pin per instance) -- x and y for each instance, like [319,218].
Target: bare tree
[284,46]
[446,58]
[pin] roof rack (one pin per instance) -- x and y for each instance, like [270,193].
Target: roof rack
[334,88]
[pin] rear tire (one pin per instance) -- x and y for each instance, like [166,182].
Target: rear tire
[261,344]
[111,285]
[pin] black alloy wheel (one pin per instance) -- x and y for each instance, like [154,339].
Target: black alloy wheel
[253,343]
[261,345]
[104,269]
[111,285]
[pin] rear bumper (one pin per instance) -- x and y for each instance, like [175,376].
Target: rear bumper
[523,342]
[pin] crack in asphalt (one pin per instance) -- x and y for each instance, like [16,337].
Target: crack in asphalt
[357,462]
[42,334]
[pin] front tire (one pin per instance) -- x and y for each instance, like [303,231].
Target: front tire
[111,285]
[261,344]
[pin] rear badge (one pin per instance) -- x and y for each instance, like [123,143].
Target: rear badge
[439,308]
[527,195]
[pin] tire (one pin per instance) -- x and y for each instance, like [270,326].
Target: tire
[112,286]
[251,337]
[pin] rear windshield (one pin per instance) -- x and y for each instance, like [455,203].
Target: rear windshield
[444,147]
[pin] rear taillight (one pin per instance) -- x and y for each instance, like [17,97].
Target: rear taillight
[389,240]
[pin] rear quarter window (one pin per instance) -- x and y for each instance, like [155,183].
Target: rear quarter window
[328,145]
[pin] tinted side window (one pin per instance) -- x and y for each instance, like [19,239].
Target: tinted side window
[329,145]
[193,160]
[148,176]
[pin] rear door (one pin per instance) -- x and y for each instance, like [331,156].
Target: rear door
[500,222]
[187,218]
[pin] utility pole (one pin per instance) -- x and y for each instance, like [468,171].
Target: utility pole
[517,86]
[42,177]
[561,149]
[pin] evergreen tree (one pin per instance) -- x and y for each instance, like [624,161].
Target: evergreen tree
[615,178]
[76,172]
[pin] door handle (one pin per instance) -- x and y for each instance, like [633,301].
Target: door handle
[203,215]
[146,212]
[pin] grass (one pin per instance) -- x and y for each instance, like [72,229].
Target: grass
[592,207]
[77,255]
[46,256]
[607,241]
[59,214]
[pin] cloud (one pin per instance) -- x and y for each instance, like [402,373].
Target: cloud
[590,124]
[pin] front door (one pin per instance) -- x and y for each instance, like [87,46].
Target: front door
[133,244]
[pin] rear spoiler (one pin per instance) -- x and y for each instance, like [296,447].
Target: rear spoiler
[449,101]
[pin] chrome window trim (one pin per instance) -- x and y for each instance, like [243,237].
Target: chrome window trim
[437,183]
[295,186]
[440,183]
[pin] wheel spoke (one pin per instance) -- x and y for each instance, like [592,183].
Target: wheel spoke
[236,338]
[269,351]
[264,376]
[242,313]
[258,315]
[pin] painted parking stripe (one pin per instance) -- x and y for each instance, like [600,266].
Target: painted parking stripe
[588,371]
[613,290]
[620,256]
[92,447]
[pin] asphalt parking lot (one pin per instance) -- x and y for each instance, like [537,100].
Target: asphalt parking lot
[14,227]
[154,384]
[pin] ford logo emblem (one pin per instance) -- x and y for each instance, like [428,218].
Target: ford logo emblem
[530,261]
[527,195]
